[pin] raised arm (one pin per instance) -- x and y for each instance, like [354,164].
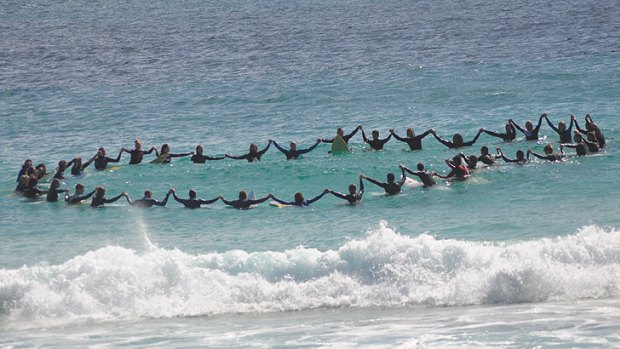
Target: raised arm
[149,151]
[208,202]
[282,202]
[551,125]
[240,157]
[398,138]
[109,201]
[317,198]
[118,157]
[542,157]
[543,115]
[403,177]
[470,143]
[170,155]
[494,134]
[261,200]
[178,199]
[514,124]
[350,135]
[443,141]
[364,136]
[265,149]
[282,150]
[338,195]
[311,148]
[374,181]
[385,140]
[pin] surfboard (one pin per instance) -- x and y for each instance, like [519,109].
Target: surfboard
[339,146]
[160,159]
[252,195]
[277,204]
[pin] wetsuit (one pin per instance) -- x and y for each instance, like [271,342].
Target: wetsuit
[251,157]
[529,135]
[346,137]
[33,192]
[293,155]
[487,159]
[550,157]
[100,200]
[193,203]
[76,171]
[451,145]
[415,142]
[76,199]
[390,188]
[146,202]
[171,155]
[302,203]
[425,176]
[52,194]
[137,155]
[507,137]
[101,162]
[460,172]
[565,137]
[201,159]
[597,132]
[376,144]
[355,198]
[244,204]
[512,160]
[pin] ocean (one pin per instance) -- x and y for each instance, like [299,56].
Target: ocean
[516,256]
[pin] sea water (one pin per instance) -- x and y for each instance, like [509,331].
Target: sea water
[516,256]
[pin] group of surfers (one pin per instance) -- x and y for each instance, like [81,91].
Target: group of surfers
[460,165]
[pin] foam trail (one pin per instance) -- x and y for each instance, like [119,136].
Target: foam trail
[383,269]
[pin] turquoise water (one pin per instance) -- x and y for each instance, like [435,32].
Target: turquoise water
[469,263]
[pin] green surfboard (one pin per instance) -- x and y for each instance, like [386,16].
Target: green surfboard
[339,146]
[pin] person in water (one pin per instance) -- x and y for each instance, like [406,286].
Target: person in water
[102,161]
[376,143]
[425,176]
[581,146]
[252,155]
[148,201]
[54,190]
[27,186]
[485,157]
[40,171]
[294,153]
[530,132]
[99,198]
[137,154]
[591,127]
[78,196]
[200,158]
[549,155]
[27,164]
[243,203]
[165,152]
[354,196]
[60,171]
[340,132]
[457,140]
[390,187]
[458,170]
[509,136]
[519,160]
[77,167]
[300,200]
[564,132]
[192,202]
[414,142]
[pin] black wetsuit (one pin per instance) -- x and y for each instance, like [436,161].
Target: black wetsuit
[251,157]
[566,136]
[451,145]
[550,157]
[52,194]
[302,203]
[513,160]
[76,171]
[346,137]
[193,203]
[425,176]
[75,199]
[415,142]
[597,133]
[101,162]
[293,155]
[244,204]
[390,188]
[487,159]
[201,159]
[137,155]
[529,135]
[507,137]
[355,198]
[149,202]
[33,192]
[100,200]
[171,155]
[376,144]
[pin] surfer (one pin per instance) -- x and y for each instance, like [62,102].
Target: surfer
[253,154]
[99,197]
[148,201]
[564,132]
[294,153]
[137,154]
[340,132]
[102,161]
[391,187]
[549,155]
[166,156]
[509,136]
[60,171]
[519,160]
[530,132]
[78,196]
[77,167]
[52,193]
[376,143]
[199,158]
[457,140]
[458,170]
[27,164]
[354,196]
[591,127]
[425,176]
[485,157]
[414,142]
[581,146]
[243,203]
[299,199]
[192,202]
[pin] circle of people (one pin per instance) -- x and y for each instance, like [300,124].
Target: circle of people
[460,165]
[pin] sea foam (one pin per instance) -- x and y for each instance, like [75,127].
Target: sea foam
[383,269]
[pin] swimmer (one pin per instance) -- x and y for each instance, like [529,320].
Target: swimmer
[425,176]
[165,151]
[458,170]
[253,155]
[485,157]
[99,197]
[581,146]
[78,196]
[40,171]
[471,161]
[27,164]
[414,142]
[299,199]
[530,132]
[564,132]
[591,127]
[457,140]
[519,160]
[52,193]
[376,143]
[28,186]
[192,202]
[77,167]
[243,203]
[148,201]
[60,171]
[509,136]
[137,154]
[391,187]
[101,161]
[293,153]
[199,158]
[549,155]
[340,132]
[354,196]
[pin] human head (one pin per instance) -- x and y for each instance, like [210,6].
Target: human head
[548,149]
[299,197]
[55,183]
[562,126]
[529,126]
[456,160]
[592,136]
[420,166]
[410,133]
[340,132]
[243,195]
[199,149]
[148,194]
[390,177]
[79,188]
[508,128]
[165,148]
[520,155]
[457,139]
[253,148]
[192,194]
[62,165]
[577,137]
[100,191]
[484,150]
[77,161]
[27,163]
[101,151]
[375,134]
[138,144]
[293,145]
[352,188]
[473,160]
